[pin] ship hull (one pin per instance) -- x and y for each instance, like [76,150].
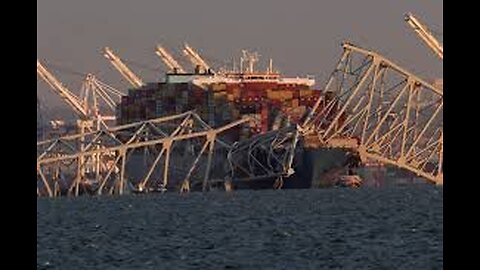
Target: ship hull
[314,168]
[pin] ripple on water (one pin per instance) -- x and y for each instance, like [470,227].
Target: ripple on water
[398,227]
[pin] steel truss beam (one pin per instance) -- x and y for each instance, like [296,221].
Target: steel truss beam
[264,156]
[103,161]
[394,116]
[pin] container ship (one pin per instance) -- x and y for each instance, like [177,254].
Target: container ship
[272,100]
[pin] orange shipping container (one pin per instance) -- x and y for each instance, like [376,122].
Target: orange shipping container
[236,92]
[219,87]
[295,103]
[304,93]
[279,95]
[219,94]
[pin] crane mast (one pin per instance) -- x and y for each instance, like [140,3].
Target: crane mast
[195,58]
[89,119]
[62,91]
[133,79]
[425,35]
[169,61]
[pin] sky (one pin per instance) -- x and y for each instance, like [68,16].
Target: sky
[303,37]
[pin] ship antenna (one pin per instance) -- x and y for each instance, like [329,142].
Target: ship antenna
[242,59]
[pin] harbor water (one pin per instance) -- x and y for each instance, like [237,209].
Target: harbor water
[395,227]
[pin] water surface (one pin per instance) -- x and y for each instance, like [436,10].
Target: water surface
[366,228]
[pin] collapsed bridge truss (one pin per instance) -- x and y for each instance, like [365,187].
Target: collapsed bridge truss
[371,106]
[264,156]
[170,152]
[382,111]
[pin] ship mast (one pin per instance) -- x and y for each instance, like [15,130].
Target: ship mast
[250,58]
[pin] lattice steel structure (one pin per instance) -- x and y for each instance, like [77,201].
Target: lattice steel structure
[382,111]
[177,151]
[264,156]
[93,94]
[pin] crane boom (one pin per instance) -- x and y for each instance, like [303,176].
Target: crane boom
[425,35]
[133,79]
[72,100]
[169,61]
[195,58]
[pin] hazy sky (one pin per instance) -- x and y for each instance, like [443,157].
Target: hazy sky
[302,36]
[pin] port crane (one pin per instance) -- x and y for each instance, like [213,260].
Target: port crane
[423,32]
[85,123]
[86,107]
[168,60]
[80,108]
[195,58]
[133,79]
[90,120]
[428,38]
